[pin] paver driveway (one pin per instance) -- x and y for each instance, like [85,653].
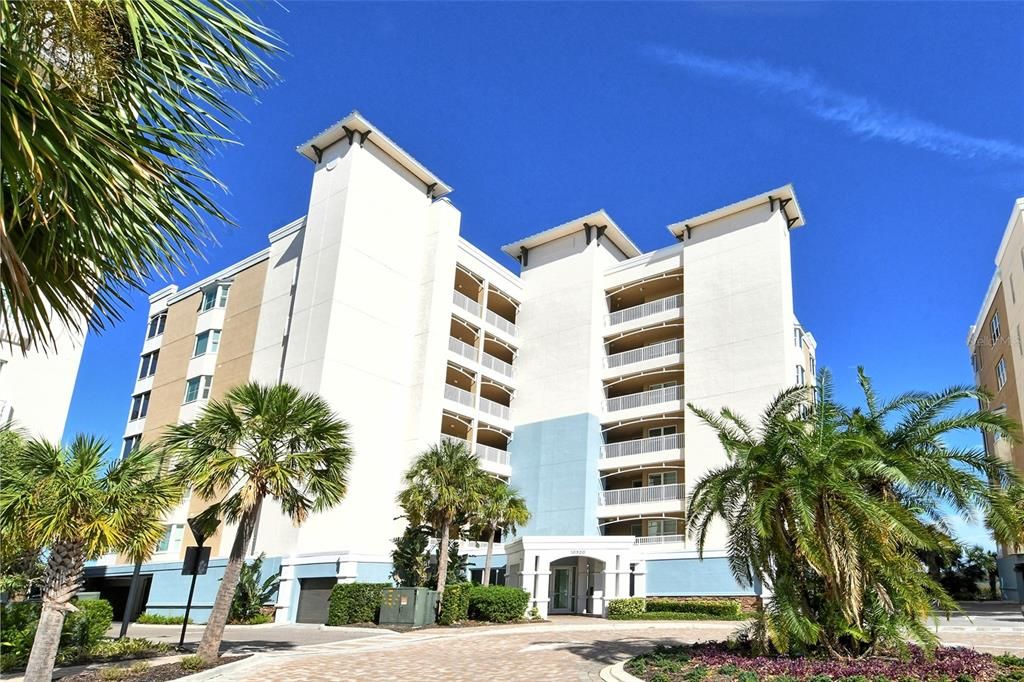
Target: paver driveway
[568,649]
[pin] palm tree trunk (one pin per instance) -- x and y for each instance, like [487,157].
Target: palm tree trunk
[442,562]
[65,572]
[209,646]
[486,578]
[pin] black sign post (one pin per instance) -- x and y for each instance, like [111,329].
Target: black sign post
[197,560]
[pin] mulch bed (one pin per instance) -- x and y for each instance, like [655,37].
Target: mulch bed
[159,673]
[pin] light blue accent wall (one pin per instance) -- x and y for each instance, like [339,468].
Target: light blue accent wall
[373,572]
[555,469]
[694,577]
[1010,579]
[497,561]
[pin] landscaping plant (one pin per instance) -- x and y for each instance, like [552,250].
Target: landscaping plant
[66,499]
[352,603]
[828,506]
[260,441]
[497,603]
[455,608]
[252,594]
[501,509]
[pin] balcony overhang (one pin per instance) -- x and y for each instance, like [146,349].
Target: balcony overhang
[778,199]
[597,224]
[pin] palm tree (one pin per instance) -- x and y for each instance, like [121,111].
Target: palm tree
[501,508]
[66,500]
[830,510]
[260,441]
[109,109]
[443,489]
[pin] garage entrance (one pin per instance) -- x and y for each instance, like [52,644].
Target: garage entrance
[314,599]
[115,591]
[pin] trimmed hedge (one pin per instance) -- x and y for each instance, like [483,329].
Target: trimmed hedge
[711,607]
[159,619]
[82,629]
[632,607]
[455,605]
[356,603]
[680,615]
[497,603]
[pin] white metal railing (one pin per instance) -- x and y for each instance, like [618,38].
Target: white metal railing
[658,539]
[497,409]
[497,364]
[646,309]
[458,395]
[462,348]
[466,303]
[643,446]
[492,454]
[500,322]
[653,397]
[651,493]
[656,350]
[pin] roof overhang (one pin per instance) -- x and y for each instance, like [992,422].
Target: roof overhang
[599,218]
[356,129]
[783,198]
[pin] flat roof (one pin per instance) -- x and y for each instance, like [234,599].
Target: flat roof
[786,193]
[357,123]
[599,218]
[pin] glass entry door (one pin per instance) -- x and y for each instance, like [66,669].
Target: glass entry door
[562,589]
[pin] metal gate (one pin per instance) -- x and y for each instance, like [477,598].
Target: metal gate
[314,599]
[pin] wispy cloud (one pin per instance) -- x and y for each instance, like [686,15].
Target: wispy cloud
[859,115]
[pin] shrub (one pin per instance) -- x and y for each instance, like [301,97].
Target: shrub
[82,630]
[258,619]
[192,663]
[455,605]
[625,609]
[251,593]
[497,603]
[726,608]
[87,625]
[129,647]
[356,603]
[675,615]
[160,619]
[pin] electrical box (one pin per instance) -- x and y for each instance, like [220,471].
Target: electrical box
[409,606]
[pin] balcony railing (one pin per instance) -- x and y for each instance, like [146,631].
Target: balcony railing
[656,350]
[462,348]
[658,395]
[491,454]
[458,395]
[497,364]
[500,322]
[643,446]
[645,309]
[658,539]
[466,303]
[651,493]
[497,409]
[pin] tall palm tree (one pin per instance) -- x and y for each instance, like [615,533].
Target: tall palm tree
[830,510]
[67,500]
[443,488]
[109,109]
[260,442]
[501,508]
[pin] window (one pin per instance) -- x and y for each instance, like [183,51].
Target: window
[656,431]
[798,337]
[1001,372]
[207,342]
[663,527]
[171,541]
[636,529]
[667,478]
[198,388]
[1013,294]
[812,365]
[994,326]
[156,325]
[799,375]
[130,443]
[148,367]
[140,405]
[214,297]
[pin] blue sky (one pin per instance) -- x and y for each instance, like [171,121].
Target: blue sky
[901,126]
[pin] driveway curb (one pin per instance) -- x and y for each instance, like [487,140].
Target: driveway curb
[617,673]
[226,669]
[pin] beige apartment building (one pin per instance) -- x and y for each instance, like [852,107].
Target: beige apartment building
[996,343]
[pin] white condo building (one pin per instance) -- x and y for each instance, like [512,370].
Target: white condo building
[568,376]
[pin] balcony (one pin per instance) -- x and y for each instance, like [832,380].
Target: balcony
[492,459]
[467,304]
[643,446]
[644,398]
[643,495]
[659,539]
[461,348]
[498,365]
[500,322]
[639,312]
[490,454]
[458,395]
[495,409]
[652,352]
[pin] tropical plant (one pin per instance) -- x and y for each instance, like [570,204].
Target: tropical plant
[443,489]
[260,442]
[21,565]
[410,560]
[501,509]
[67,500]
[251,594]
[828,510]
[109,108]
[456,566]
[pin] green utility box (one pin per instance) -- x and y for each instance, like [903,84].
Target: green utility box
[410,606]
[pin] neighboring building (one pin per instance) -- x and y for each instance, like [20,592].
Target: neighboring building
[997,356]
[566,379]
[36,384]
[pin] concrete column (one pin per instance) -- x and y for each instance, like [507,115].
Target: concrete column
[347,571]
[286,588]
[640,579]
